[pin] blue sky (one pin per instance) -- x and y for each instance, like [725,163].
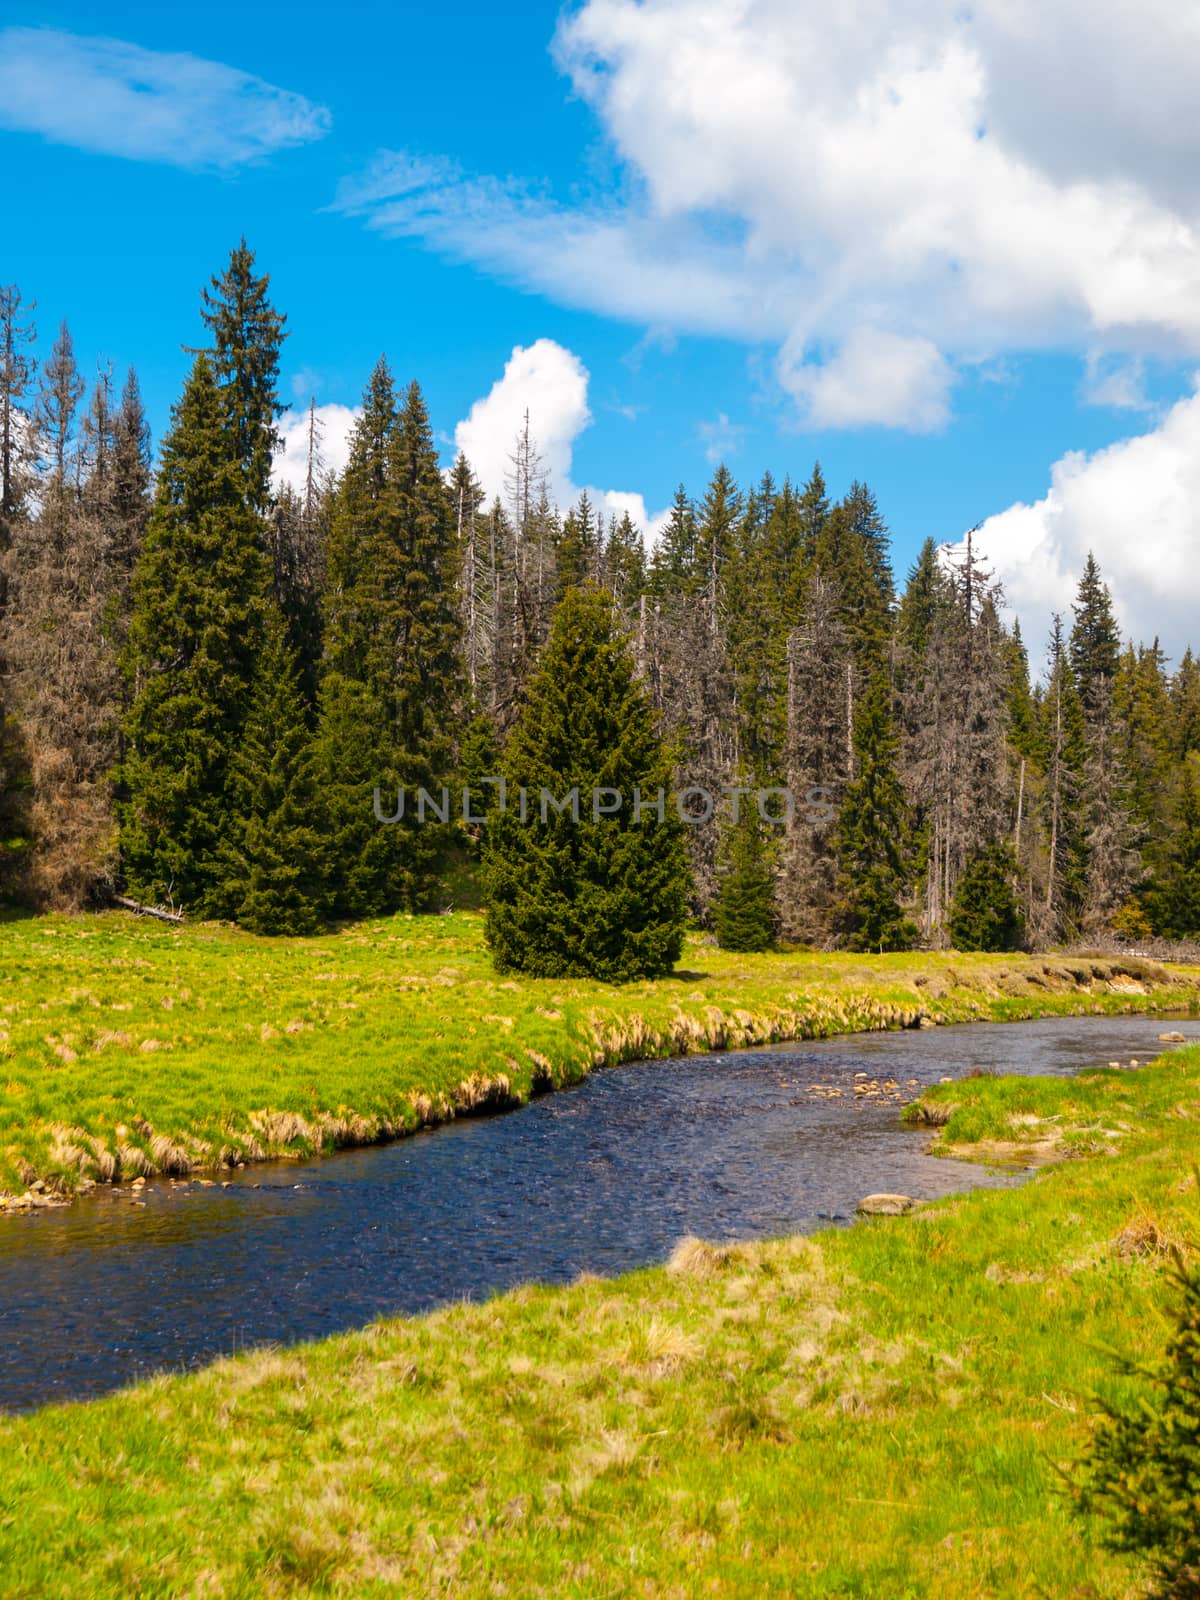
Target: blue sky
[762,231]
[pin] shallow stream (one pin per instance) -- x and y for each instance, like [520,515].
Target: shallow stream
[599,1178]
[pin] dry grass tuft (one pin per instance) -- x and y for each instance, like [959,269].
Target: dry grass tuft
[132,1162]
[659,1347]
[1144,1237]
[696,1258]
[169,1157]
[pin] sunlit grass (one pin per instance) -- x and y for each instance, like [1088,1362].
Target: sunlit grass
[129,1046]
[877,1411]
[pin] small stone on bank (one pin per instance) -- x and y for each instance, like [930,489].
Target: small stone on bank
[886,1205]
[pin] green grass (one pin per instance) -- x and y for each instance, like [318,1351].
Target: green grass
[128,1046]
[872,1412]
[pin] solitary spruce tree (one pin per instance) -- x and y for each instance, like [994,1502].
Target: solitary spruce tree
[744,910]
[604,896]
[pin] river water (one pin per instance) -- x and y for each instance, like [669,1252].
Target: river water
[599,1178]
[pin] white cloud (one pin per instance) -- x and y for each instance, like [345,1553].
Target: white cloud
[119,99]
[335,424]
[873,378]
[551,384]
[721,438]
[1116,382]
[602,259]
[1013,175]
[1136,505]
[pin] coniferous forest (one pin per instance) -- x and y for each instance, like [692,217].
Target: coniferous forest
[205,677]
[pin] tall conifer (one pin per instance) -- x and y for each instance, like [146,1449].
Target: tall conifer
[391,684]
[199,606]
[247,336]
[873,835]
[275,847]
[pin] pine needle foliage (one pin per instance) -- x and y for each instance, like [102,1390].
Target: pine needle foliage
[744,911]
[603,896]
[1142,1471]
[873,836]
[984,914]
[200,601]
[276,870]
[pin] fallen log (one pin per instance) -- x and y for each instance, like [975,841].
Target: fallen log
[147,911]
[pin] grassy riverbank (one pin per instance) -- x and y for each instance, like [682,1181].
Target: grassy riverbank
[876,1411]
[128,1047]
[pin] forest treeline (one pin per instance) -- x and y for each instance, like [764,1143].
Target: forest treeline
[204,676]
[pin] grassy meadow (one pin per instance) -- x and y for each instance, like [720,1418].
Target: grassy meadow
[877,1411]
[130,1047]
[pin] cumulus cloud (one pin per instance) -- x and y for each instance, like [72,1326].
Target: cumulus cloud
[874,378]
[335,424]
[122,100]
[550,383]
[1136,505]
[1015,174]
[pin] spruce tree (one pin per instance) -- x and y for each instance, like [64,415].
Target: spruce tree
[716,539]
[17,452]
[813,509]
[1108,856]
[673,567]
[200,597]
[1173,899]
[984,914]
[16,793]
[818,755]
[575,559]
[58,399]
[872,836]
[1142,1470]
[420,574]
[786,560]
[1095,644]
[1184,727]
[927,597]
[478,768]
[391,687]
[625,560]
[744,909]
[247,336]
[1063,741]
[866,521]
[846,558]
[604,896]
[274,861]
[373,868]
